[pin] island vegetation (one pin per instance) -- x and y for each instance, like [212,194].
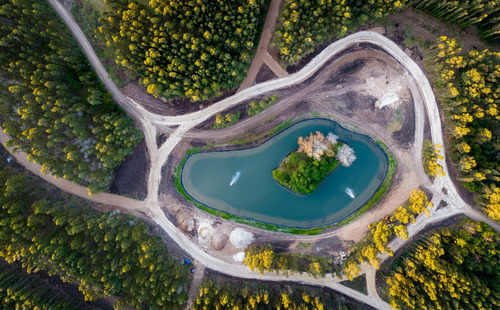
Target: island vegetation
[317,156]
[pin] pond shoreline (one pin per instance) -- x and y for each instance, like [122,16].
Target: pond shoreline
[277,227]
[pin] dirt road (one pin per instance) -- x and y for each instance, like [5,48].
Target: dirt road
[260,56]
[72,188]
[149,122]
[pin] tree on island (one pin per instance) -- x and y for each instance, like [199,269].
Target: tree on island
[345,154]
[317,156]
[317,145]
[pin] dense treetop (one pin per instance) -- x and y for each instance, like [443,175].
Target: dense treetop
[306,24]
[186,49]
[318,155]
[469,89]
[52,103]
[108,254]
[233,295]
[18,290]
[455,268]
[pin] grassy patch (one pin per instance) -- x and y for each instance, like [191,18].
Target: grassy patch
[227,120]
[357,284]
[303,245]
[256,107]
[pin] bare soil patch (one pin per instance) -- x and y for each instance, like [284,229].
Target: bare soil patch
[265,74]
[131,176]
[169,107]
[160,139]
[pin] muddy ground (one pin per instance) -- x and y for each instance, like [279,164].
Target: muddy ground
[131,176]
[265,74]
[169,107]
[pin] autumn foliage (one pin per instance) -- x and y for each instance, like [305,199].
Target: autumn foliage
[382,231]
[469,89]
[453,268]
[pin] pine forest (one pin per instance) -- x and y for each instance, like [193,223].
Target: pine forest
[184,49]
[469,90]
[452,268]
[109,254]
[304,25]
[52,103]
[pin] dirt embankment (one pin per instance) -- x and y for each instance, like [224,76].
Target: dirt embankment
[346,93]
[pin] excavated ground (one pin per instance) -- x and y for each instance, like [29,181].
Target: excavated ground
[346,94]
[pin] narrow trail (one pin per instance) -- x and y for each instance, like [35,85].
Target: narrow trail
[265,38]
[274,65]
[72,188]
[195,286]
[149,122]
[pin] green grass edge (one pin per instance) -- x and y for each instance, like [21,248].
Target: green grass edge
[289,230]
[381,190]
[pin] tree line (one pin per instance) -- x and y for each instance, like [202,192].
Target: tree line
[183,49]
[235,295]
[263,258]
[452,268]
[52,103]
[306,24]
[19,290]
[109,254]
[469,90]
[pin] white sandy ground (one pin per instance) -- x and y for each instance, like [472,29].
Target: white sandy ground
[149,122]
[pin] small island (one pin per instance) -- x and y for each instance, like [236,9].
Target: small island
[303,170]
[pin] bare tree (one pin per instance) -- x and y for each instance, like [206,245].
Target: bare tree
[345,154]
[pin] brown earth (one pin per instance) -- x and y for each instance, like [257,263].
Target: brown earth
[265,74]
[131,176]
[337,92]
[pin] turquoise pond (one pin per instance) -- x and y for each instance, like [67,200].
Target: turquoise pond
[241,182]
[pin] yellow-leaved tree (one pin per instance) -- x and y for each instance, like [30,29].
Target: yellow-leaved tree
[260,258]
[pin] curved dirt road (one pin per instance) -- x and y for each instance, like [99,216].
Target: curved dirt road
[149,121]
